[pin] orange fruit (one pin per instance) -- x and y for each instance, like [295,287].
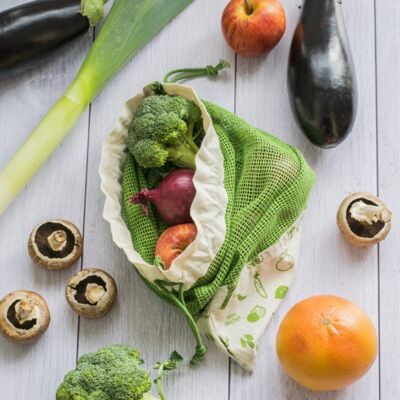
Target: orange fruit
[326,343]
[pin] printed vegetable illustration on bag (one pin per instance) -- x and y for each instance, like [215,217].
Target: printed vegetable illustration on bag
[255,261]
[167,130]
[286,261]
[281,292]
[259,286]
[256,314]
[247,340]
[241,297]
[226,343]
[232,319]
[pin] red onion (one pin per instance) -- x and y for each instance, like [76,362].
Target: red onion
[173,198]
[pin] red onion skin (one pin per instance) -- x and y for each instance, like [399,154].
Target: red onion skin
[173,198]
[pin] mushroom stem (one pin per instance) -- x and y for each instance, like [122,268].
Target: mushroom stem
[369,214]
[94,293]
[91,292]
[24,316]
[57,240]
[24,310]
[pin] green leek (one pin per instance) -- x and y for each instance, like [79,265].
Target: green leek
[130,25]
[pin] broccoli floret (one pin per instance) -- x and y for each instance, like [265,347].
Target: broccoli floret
[149,153]
[194,113]
[112,373]
[163,129]
[165,103]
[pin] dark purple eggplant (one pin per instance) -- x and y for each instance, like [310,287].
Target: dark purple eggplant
[31,32]
[321,78]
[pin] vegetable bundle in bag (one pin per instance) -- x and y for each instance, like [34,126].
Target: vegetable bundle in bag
[251,191]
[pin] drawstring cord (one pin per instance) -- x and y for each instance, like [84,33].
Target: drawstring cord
[183,74]
[177,298]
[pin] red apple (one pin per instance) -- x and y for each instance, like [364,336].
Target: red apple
[253,27]
[174,241]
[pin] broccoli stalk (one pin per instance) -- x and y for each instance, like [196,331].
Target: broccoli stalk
[164,129]
[184,154]
[113,373]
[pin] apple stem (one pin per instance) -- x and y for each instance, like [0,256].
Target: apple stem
[248,7]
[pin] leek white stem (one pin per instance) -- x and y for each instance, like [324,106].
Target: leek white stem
[39,146]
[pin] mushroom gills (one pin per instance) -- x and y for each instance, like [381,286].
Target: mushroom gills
[90,290]
[54,240]
[365,218]
[19,313]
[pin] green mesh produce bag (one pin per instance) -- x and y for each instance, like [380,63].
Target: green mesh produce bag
[252,190]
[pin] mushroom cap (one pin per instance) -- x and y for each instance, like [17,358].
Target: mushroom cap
[354,231]
[55,244]
[91,293]
[24,316]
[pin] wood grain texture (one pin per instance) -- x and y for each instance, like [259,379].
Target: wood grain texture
[140,318]
[388,89]
[34,371]
[327,264]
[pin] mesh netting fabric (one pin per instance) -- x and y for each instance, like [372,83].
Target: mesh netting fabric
[268,183]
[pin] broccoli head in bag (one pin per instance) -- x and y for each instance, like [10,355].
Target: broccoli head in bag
[165,128]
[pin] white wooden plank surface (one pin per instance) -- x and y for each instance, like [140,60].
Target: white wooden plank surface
[34,371]
[388,89]
[328,264]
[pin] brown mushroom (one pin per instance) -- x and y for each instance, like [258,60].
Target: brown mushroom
[24,316]
[91,293]
[364,219]
[55,244]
